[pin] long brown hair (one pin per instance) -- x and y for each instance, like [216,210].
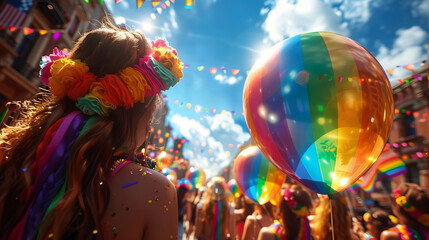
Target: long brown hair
[322,222]
[106,50]
[290,222]
[212,198]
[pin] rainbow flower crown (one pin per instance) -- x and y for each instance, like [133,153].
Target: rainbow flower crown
[415,213]
[298,209]
[157,71]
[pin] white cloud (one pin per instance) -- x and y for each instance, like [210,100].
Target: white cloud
[264,11]
[210,138]
[407,48]
[356,11]
[110,5]
[166,31]
[289,18]
[124,4]
[173,19]
[231,80]
[421,8]
[207,3]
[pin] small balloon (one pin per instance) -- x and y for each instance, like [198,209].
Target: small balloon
[183,182]
[196,176]
[164,159]
[233,187]
[256,177]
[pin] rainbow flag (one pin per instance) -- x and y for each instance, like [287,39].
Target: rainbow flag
[387,165]
[354,186]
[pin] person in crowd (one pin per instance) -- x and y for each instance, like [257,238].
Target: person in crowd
[215,217]
[243,208]
[184,209]
[68,165]
[376,221]
[262,216]
[411,207]
[293,222]
[322,228]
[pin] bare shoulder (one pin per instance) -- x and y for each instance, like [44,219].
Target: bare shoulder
[389,235]
[266,234]
[140,199]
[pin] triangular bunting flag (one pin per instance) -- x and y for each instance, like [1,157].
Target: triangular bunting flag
[167,3]
[235,71]
[390,71]
[28,31]
[43,32]
[117,1]
[409,67]
[155,2]
[139,3]
[213,70]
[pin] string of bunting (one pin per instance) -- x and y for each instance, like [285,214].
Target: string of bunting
[409,67]
[56,33]
[199,108]
[417,115]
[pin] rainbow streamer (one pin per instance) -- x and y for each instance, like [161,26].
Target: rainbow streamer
[217,224]
[389,166]
[320,107]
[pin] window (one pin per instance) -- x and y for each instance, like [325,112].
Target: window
[413,174]
[24,50]
[410,126]
[73,26]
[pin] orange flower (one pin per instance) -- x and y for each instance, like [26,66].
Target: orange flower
[80,86]
[135,82]
[97,90]
[64,71]
[115,91]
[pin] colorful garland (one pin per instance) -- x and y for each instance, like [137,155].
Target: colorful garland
[415,213]
[298,209]
[96,95]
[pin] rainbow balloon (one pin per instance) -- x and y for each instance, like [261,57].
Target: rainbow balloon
[233,187]
[164,160]
[183,182]
[320,107]
[256,177]
[196,176]
[389,166]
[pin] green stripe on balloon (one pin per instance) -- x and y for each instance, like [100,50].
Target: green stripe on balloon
[317,62]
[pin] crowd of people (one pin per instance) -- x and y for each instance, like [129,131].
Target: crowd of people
[299,214]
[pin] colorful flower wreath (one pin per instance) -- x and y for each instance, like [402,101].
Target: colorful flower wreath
[415,213]
[298,209]
[95,95]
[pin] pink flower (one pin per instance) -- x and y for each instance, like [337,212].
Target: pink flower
[46,64]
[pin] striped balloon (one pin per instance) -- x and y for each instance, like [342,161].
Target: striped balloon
[256,177]
[233,187]
[196,176]
[320,107]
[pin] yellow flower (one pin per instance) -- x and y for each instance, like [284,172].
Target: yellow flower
[167,58]
[135,82]
[64,71]
[97,89]
[401,200]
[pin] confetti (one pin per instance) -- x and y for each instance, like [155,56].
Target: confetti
[150,201]
[156,198]
[95,231]
[131,172]
[24,169]
[101,183]
[141,169]
[149,172]
[51,235]
[129,184]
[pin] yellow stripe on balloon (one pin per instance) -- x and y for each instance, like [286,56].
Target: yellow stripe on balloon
[349,102]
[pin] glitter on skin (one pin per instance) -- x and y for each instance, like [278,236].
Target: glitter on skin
[129,184]
[95,231]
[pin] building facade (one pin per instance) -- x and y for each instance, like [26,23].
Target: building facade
[20,52]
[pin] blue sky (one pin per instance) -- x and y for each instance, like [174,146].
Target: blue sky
[234,33]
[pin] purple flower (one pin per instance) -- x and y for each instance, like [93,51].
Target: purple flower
[47,62]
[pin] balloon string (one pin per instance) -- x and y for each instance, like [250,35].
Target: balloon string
[332,220]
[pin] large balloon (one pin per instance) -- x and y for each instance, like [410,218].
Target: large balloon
[196,176]
[320,107]
[256,177]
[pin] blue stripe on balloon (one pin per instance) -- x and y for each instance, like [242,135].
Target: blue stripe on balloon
[293,90]
[274,113]
[251,187]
